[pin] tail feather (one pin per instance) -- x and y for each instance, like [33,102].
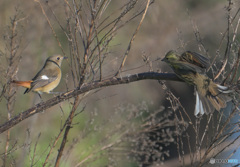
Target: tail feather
[223,89]
[199,109]
[208,107]
[203,105]
[214,98]
[217,102]
[217,95]
[26,84]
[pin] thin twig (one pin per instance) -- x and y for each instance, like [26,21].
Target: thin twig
[211,146]
[50,24]
[54,144]
[35,149]
[67,129]
[13,61]
[229,44]
[132,39]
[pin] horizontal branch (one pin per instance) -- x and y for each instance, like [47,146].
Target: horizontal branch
[85,88]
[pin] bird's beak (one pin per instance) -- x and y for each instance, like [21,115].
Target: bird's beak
[65,57]
[164,59]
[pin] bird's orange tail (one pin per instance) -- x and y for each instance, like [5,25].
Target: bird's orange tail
[26,84]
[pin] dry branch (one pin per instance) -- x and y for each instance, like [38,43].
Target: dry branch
[85,88]
[132,39]
[68,122]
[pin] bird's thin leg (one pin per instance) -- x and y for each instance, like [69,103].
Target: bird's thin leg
[40,96]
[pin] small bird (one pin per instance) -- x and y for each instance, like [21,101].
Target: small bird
[191,68]
[47,78]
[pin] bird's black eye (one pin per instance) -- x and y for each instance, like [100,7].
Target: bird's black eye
[58,58]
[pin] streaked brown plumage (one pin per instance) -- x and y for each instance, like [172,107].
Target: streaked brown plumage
[191,67]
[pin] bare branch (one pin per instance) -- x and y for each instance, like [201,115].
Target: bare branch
[49,23]
[132,39]
[85,88]
[68,123]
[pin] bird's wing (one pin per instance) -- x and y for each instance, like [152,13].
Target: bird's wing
[185,66]
[44,77]
[196,59]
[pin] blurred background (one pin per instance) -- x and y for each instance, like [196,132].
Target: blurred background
[169,25]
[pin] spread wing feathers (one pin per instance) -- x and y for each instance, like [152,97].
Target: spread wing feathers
[215,98]
[202,105]
[196,59]
[224,89]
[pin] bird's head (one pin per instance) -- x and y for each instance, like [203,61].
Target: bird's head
[56,59]
[171,56]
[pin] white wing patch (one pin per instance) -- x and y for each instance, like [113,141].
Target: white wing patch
[44,77]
